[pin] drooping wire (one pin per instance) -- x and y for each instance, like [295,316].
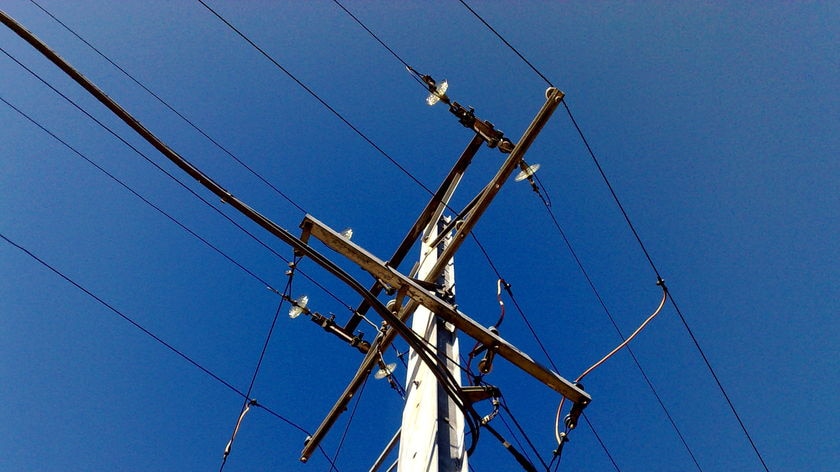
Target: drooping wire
[603,304]
[594,366]
[641,245]
[316,96]
[145,200]
[172,177]
[180,115]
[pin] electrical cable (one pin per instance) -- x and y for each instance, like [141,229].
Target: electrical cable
[136,194]
[316,96]
[156,338]
[507,43]
[600,441]
[180,115]
[641,245]
[531,328]
[336,113]
[145,331]
[606,310]
[505,407]
[210,184]
[607,357]
[481,247]
[171,176]
[523,460]
[249,402]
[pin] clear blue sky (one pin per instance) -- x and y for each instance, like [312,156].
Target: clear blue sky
[718,125]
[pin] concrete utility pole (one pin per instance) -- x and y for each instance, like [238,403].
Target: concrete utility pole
[432,424]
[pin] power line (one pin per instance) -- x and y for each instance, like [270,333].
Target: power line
[248,403]
[137,325]
[142,198]
[180,115]
[172,177]
[316,96]
[600,441]
[638,239]
[480,246]
[617,329]
[506,43]
[155,337]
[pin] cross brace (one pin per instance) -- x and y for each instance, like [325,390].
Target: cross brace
[414,290]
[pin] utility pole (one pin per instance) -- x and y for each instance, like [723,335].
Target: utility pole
[421,293]
[428,293]
[432,424]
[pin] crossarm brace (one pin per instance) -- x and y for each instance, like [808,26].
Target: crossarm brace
[430,300]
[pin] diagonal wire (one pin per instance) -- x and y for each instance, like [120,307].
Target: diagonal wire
[137,325]
[248,401]
[316,96]
[617,329]
[167,105]
[506,43]
[638,239]
[601,442]
[521,430]
[175,179]
[155,337]
[136,194]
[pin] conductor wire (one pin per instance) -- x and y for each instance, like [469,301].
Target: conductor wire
[561,438]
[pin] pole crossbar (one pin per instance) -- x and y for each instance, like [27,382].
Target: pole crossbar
[427,298]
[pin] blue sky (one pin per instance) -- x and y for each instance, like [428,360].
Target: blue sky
[718,125]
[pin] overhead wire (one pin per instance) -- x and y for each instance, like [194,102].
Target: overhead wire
[638,240]
[249,402]
[171,108]
[443,377]
[601,442]
[198,129]
[606,358]
[142,198]
[334,111]
[172,177]
[607,311]
[452,389]
[506,408]
[315,95]
[157,338]
[480,246]
[421,184]
[140,327]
